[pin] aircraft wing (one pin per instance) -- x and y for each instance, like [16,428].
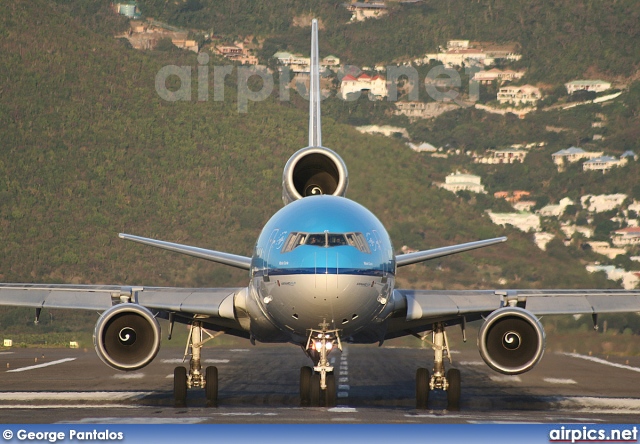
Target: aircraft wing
[415,308]
[205,302]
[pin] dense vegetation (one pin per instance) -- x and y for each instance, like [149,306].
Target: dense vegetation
[90,150]
[561,40]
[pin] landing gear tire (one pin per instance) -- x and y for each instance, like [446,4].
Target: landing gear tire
[305,386]
[314,392]
[422,388]
[330,395]
[180,386]
[211,386]
[453,392]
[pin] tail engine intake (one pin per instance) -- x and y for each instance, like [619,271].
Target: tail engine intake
[127,337]
[511,340]
[314,171]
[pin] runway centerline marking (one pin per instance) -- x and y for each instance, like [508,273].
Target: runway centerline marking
[46,364]
[602,361]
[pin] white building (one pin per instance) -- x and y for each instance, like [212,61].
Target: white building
[524,221]
[497,75]
[423,147]
[602,202]
[626,236]
[463,182]
[377,85]
[555,210]
[541,239]
[605,249]
[573,154]
[603,163]
[526,95]
[464,52]
[587,85]
[629,279]
[362,11]
[502,156]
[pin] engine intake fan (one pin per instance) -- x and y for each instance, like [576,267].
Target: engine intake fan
[511,340]
[127,337]
[314,171]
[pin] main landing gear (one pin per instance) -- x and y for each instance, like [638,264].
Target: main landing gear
[450,382]
[318,384]
[195,378]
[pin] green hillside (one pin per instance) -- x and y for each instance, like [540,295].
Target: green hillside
[89,150]
[560,40]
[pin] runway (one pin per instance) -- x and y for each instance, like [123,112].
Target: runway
[259,384]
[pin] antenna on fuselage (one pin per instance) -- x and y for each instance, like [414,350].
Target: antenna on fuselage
[315,132]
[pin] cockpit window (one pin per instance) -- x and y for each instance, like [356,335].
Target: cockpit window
[295,239]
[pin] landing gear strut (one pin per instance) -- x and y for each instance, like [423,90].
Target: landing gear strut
[195,378]
[318,385]
[450,382]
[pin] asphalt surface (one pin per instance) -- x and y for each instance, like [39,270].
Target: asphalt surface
[259,384]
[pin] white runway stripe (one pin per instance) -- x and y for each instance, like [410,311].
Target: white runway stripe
[207,361]
[72,396]
[128,376]
[137,420]
[602,361]
[46,364]
[65,406]
[505,378]
[559,381]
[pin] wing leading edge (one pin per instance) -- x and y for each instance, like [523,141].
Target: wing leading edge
[426,306]
[210,302]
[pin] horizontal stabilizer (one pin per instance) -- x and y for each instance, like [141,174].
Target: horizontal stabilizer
[233,260]
[419,256]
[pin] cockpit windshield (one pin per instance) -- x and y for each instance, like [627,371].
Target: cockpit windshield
[295,239]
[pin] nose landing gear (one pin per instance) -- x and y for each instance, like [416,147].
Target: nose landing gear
[318,385]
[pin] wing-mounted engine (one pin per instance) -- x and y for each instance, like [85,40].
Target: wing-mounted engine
[127,337]
[511,340]
[313,171]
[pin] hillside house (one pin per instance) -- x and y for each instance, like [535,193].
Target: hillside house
[423,147]
[626,237]
[376,85]
[462,182]
[556,210]
[602,202]
[422,110]
[508,155]
[630,279]
[587,85]
[466,53]
[603,163]
[523,221]
[497,75]
[605,249]
[519,95]
[361,10]
[573,154]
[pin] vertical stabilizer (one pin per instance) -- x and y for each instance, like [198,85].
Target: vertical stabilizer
[315,132]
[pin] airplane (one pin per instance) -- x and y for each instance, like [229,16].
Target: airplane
[322,274]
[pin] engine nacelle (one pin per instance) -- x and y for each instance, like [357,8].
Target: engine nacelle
[127,337]
[313,171]
[511,340]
